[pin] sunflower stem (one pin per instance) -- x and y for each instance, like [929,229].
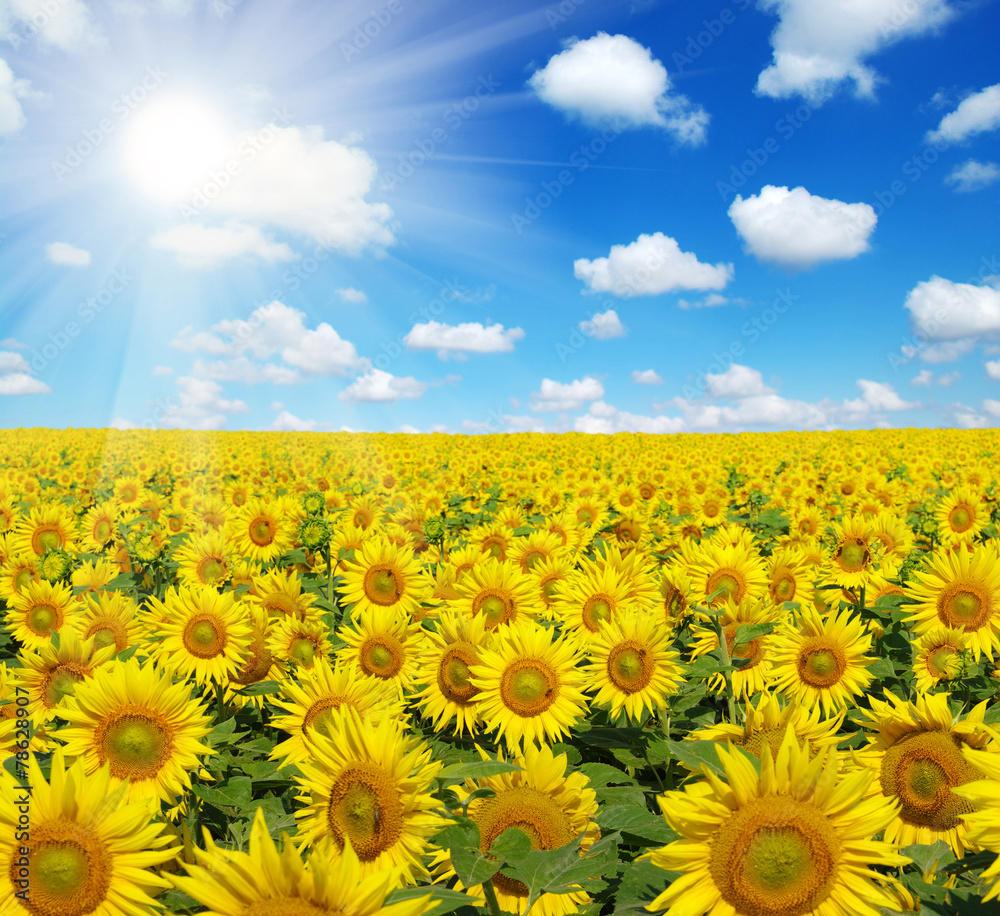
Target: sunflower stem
[491,897]
[329,575]
[220,705]
[727,662]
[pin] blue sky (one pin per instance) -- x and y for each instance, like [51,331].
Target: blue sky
[416,215]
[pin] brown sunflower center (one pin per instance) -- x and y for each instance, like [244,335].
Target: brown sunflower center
[942,662]
[258,665]
[319,715]
[382,586]
[964,605]
[528,687]
[302,651]
[281,605]
[366,808]
[382,656]
[211,570]
[496,606]
[531,559]
[453,673]
[921,769]
[731,582]
[106,632]
[102,531]
[821,663]
[61,681]
[136,743]
[630,667]
[46,537]
[596,610]
[853,555]
[961,518]
[775,856]
[496,547]
[262,530]
[70,870]
[204,636]
[284,906]
[763,739]
[536,813]
[783,586]
[42,618]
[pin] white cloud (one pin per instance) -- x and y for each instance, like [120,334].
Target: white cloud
[350,294]
[603,418]
[993,369]
[819,46]
[382,387]
[797,229]
[302,183]
[650,265]
[207,247]
[22,383]
[615,77]
[737,382]
[604,326]
[162,370]
[553,395]
[973,176]
[67,255]
[63,24]
[13,362]
[11,92]
[121,423]
[976,114]
[245,370]
[945,311]
[925,378]
[470,337]
[879,396]
[13,344]
[710,301]
[646,377]
[288,422]
[201,406]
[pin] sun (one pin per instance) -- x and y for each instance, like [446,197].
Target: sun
[172,146]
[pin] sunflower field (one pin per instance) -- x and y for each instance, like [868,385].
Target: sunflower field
[280,674]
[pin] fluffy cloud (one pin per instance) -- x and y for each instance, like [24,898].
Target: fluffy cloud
[650,265]
[797,229]
[207,247]
[382,387]
[67,255]
[288,422]
[553,395]
[201,406]
[820,46]
[973,176]
[11,92]
[945,311]
[925,378]
[615,77]
[14,374]
[878,397]
[470,337]
[66,25]
[710,301]
[993,369]
[646,377]
[737,382]
[301,182]
[604,326]
[976,114]
[350,294]
[603,418]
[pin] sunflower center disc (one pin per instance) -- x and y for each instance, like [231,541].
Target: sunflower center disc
[853,555]
[319,715]
[365,807]
[284,906]
[784,588]
[732,587]
[46,538]
[70,870]
[453,675]
[776,856]
[531,559]
[211,570]
[382,657]
[42,618]
[942,662]
[381,587]
[261,531]
[136,746]
[61,682]
[921,769]
[629,667]
[598,609]
[821,666]
[257,666]
[102,531]
[203,637]
[961,607]
[960,519]
[302,651]
[104,635]
[495,609]
[527,688]
[761,740]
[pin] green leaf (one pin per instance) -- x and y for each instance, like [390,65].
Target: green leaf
[459,772]
[523,531]
[123,580]
[641,884]
[223,733]
[601,775]
[696,754]
[747,632]
[512,845]
[621,795]
[445,900]
[235,793]
[635,822]
[927,857]
[260,688]
[882,668]
[611,737]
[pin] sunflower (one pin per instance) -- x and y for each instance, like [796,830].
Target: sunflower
[445,666]
[298,641]
[983,822]
[676,594]
[92,576]
[99,526]
[384,644]
[500,592]
[87,852]
[766,723]
[203,560]
[789,575]
[492,540]
[48,674]
[852,556]
[129,491]
[893,540]
[631,664]
[324,688]
[551,806]
[536,548]
[961,516]
[731,573]
[12,725]
[364,512]
[111,619]
[634,567]
[383,575]
[206,634]
[751,677]
[260,664]
[915,753]
[808,522]
[369,785]
[235,883]
[960,589]
[548,575]
[529,683]
[938,656]
[279,594]
[263,529]
[136,719]
[40,609]
[789,840]
[822,661]
[48,527]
